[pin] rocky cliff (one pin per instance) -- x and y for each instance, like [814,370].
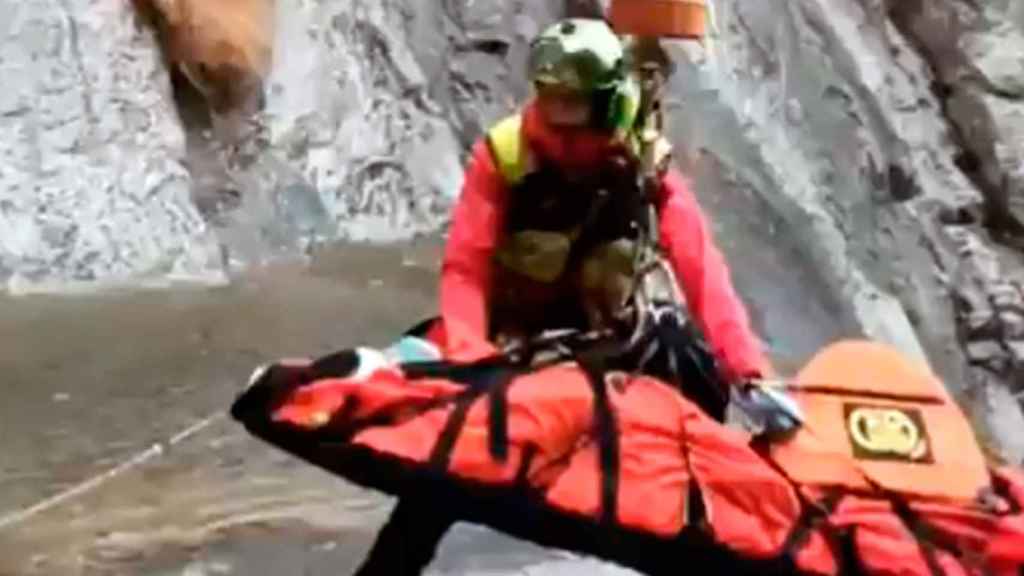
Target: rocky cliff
[887,137]
[92,181]
[862,159]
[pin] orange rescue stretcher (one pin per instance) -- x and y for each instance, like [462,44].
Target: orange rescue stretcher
[885,476]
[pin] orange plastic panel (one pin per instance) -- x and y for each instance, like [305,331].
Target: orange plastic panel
[662,18]
[873,416]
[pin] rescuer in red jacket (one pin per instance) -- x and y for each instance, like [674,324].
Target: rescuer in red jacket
[539,227]
[530,215]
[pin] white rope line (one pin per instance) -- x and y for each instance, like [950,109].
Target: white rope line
[142,457]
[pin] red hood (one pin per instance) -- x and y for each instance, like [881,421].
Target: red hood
[571,150]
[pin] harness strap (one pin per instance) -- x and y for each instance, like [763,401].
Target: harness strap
[931,541]
[811,517]
[691,366]
[440,455]
[843,543]
[606,430]
[498,422]
[696,511]
[337,365]
[530,452]
[510,152]
[925,536]
[497,378]
[1002,489]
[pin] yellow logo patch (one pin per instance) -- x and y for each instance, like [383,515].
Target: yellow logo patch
[887,433]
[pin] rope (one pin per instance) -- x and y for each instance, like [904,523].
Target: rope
[134,461]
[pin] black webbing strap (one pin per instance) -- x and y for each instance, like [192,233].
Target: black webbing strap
[492,377]
[470,374]
[931,540]
[606,430]
[685,360]
[845,545]
[530,452]
[811,517]
[336,365]
[925,536]
[496,380]
[497,433]
[1001,486]
[696,511]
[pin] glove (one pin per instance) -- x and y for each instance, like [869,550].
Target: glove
[767,410]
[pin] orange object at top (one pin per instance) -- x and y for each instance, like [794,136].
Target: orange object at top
[660,18]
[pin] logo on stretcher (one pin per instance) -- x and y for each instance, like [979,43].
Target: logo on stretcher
[887,433]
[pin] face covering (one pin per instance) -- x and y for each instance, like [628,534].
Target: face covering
[571,149]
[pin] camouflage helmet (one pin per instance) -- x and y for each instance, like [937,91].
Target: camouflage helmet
[578,54]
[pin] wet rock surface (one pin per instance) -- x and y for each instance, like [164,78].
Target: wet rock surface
[211,499]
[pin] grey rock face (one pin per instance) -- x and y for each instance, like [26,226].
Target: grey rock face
[782,100]
[370,110]
[351,144]
[826,110]
[976,54]
[92,187]
[348,107]
[475,55]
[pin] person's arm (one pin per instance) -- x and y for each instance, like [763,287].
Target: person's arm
[704,275]
[466,269]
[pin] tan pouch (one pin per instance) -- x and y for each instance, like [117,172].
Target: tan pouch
[537,254]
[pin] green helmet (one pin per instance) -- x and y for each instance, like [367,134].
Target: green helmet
[579,54]
[584,55]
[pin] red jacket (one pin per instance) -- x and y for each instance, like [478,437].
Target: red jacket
[475,232]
